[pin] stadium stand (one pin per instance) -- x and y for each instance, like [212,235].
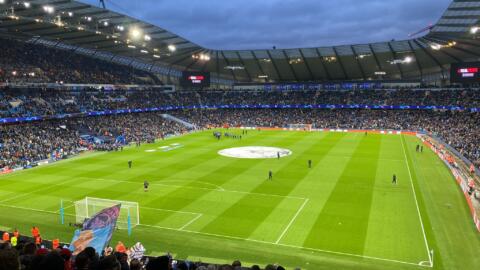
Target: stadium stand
[68,120]
[26,63]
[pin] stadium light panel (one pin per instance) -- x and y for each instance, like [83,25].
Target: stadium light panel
[131,46]
[156,56]
[26,4]
[474,29]
[408,59]
[2,1]
[70,14]
[49,9]
[172,48]
[105,23]
[135,33]
[120,28]
[144,51]
[435,46]
[147,38]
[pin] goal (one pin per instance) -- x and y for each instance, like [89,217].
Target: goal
[89,206]
[300,126]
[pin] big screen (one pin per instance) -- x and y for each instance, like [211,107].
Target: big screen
[465,72]
[195,79]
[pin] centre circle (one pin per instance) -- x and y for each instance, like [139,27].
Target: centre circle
[255,152]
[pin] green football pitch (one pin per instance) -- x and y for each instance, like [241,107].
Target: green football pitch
[343,213]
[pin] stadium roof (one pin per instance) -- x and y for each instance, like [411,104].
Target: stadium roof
[116,36]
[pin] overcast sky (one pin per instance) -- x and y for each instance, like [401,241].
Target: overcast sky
[259,24]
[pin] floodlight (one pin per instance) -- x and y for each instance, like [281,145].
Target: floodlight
[49,9]
[172,48]
[135,33]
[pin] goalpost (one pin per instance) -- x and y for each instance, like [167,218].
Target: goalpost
[89,206]
[300,127]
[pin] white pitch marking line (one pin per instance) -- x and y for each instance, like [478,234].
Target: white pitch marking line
[167,210]
[191,221]
[416,202]
[201,188]
[28,193]
[292,220]
[284,245]
[239,238]
[71,205]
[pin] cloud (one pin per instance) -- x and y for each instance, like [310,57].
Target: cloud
[259,24]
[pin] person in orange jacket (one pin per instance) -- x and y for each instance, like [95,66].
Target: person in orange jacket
[35,232]
[6,237]
[38,240]
[55,243]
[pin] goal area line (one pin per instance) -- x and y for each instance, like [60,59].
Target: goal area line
[184,230]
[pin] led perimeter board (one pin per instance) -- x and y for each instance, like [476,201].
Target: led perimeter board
[465,72]
[195,79]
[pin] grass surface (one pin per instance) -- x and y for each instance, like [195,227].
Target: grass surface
[344,213]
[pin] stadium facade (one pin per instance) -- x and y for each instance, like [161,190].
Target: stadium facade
[111,36]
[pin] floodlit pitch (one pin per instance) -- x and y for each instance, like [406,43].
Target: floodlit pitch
[343,213]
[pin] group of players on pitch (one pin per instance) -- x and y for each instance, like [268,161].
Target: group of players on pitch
[146,184]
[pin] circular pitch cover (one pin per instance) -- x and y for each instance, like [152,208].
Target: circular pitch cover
[255,152]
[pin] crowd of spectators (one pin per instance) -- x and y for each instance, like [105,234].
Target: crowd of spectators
[26,255]
[39,102]
[458,129]
[22,62]
[24,145]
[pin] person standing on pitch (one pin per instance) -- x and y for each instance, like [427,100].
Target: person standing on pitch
[394,179]
[309,163]
[270,175]
[145,185]
[129,164]
[278,155]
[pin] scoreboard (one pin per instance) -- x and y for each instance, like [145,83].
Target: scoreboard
[195,79]
[465,72]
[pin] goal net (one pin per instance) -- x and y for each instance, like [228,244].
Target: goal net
[300,126]
[89,206]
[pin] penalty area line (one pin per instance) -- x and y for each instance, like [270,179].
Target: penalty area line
[286,245]
[239,238]
[190,222]
[292,220]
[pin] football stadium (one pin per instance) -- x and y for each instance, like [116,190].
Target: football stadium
[126,146]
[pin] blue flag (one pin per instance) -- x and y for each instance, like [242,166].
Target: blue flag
[96,231]
[96,238]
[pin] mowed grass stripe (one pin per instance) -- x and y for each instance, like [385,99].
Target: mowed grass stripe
[245,216]
[159,164]
[296,178]
[393,229]
[318,185]
[180,198]
[342,225]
